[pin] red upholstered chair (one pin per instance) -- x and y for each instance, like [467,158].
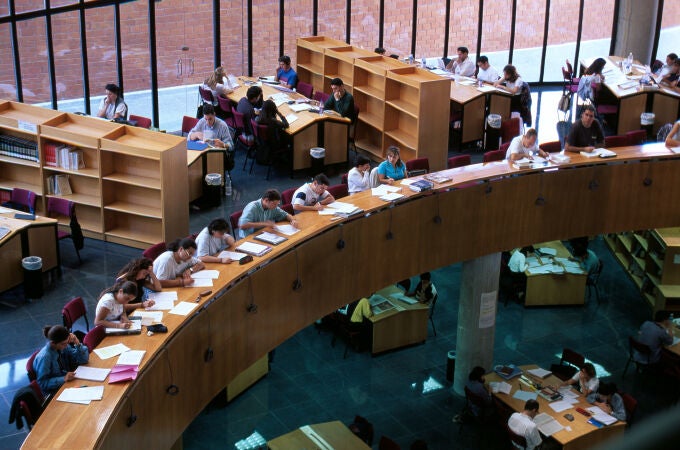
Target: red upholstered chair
[71,312]
[30,371]
[94,337]
[517,440]
[418,165]
[288,208]
[143,122]
[601,106]
[343,178]
[458,161]
[155,251]
[386,443]
[287,195]
[338,190]
[305,89]
[206,95]
[551,147]
[22,200]
[510,129]
[226,110]
[630,405]
[321,96]
[569,85]
[496,155]
[636,137]
[616,141]
[241,138]
[233,222]
[275,152]
[570,69]
[60,207]
[188,123]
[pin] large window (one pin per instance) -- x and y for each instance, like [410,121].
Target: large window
[598,19]
[529,38]
[332,20]
[101,53]
[463,27]
[68,62]
[34,65]
[670,30]
[8,87]
[430,28]
[496,24]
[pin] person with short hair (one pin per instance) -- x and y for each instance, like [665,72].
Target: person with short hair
[211,129]
[525,146]
[522,424]
[393,168]
[425,291]
[358,177]
[586,378]
[608,400]
[477,385]
[55,363]
[672,77]
[517,265]
[250,106]
[112,105]
[313,196]
[285,73]
[341,101]
[140,272]
[654,334]
[585,134]
[111,310]
[462,65]
[486,72]
[663,69]
[263,212]
[175,266]
[586,258]
[212,240]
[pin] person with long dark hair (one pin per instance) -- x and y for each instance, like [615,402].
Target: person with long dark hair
[393,168]
[58,359]
[112,105]
[212,240]
[110,310]
[175,266]
[140,272]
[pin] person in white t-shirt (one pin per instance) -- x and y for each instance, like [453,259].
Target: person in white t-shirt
[462,65]
[313,196]
[522,424]
[486,72]
[525,146]
[174,267]
[111,305]
[358,178]
[586,378]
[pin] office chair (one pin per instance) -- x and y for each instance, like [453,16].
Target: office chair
[338,191]
[242,138]
[616,141]
[288,207]
[227,113]
[344,178]
[287,196]
[365,429]
[94,337]
[386,443]
[509,129]
[267,150]
[468,412]
[60,207]
[636,137]
[71,312]
[494,155]
[551,147]
[188,123]
[206,96]
[458,161]
[630,405]
[30,371]
[22,200]
[321,96]
[642,349]
[155,251]
[233,222]
[27,404]
[593,279]
[418,165]
[305,89]
[143,122]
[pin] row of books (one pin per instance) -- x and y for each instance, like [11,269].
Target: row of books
[63,155]
[17,147]
[58,185]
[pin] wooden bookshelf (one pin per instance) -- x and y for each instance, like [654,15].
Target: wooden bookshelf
[339,63]
[310,59]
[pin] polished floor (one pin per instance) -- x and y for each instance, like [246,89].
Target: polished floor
[404,393]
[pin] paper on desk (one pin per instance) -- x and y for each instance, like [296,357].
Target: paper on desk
[148,317]
[91,373]
[280,98]
[675,149]
[183,308]
[206,274]
[234,256]
[545,269]
[540,373]
[297,107]
[81,395]
[5,210]
[131,357]
[110,351]
[125,375]
[675,340]
[560,405]
[287,229]
[392,196]
[162,304]
[567,393]
[532,261]
[439,72]
[409,181]
[547,251]
[201,282]
[500,386]
[384,189]
[486,88]
[134,325]
[547,424]
[165,295]
[291,117]
[601,416]
[466,82]
[525,395]
[341,207]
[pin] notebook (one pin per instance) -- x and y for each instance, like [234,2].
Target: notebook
[270,238]
[253,248]
[135,328]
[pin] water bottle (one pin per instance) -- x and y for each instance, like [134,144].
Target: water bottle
[410,59]
[227,185]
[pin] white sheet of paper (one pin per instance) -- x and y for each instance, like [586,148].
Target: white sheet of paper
[91,373]
[286,229]
[201,282]
[540,373]
[162,304]
[151,316]
[131,358]
[392,196]
[234,256]
[5,210]
[110,351]
[384,189]
[83,394]
[291,117]
[166,295]
[299,107]
[183,308]
[525,395]
[134,325]
[206,274]
[560,405]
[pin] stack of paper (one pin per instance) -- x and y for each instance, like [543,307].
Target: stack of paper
[110,351]
[404,298]
[280,98]
[500,386]
[206,274]
[297,107]
[254,249]
[540,373]
[599,152]
[341,209]
[135,328]
[286,229]
[147,317]
[547,424]
[91,373]
[164,300]
[291,117]
[234,256]
[560,405]
[601,416]
[270,238]
[82,395]
[392,196]
[525,395]
[384,189]
[127,366]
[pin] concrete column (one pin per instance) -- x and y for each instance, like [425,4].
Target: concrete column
[476,317]
[636,25]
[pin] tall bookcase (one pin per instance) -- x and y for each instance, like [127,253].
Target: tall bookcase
[399,104]
[133,188]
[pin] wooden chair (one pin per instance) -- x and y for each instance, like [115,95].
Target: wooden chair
[458,161]
[71,312]
[143,122]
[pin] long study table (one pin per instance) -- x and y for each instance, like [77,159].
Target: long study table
[256,306]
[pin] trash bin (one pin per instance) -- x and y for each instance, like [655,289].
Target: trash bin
[647,124]
[33,283]
[450,365]
[212,190]
[492,132]
[318,156]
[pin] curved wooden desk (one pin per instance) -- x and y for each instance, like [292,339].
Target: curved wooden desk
[637,189]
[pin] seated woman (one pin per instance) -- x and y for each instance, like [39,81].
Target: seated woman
[215,83]
[672,78]
[358,177]
[212,240]
[608,400]
[586,379]
[174,266]
[140,272]
[521,99]
[112,105]
[275,122]
[477,385]
[673,138]
[58,359]
[393,169]
[110,310]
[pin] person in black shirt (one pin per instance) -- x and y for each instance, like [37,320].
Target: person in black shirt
[586,134]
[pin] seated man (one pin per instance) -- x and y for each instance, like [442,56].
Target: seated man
[313,196]
[587,259]
[211,129]
[341,101]
[359,322]
[486,72]
[285,73]
[263,212]
[525,147]
[586,134]
[425,291]
[655,335]
[476,384]
[462,65]
[247,106]
[522,424]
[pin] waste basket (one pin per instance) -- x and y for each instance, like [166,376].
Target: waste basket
[33,284]
[493,132]
[318,156]
[212,190]
[647,124]
[450,365]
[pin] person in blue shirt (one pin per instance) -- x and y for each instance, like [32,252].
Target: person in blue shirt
[56,362]
[393,169]
[285,74]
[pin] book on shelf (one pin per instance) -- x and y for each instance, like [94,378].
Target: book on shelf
[58,185]
[20,148]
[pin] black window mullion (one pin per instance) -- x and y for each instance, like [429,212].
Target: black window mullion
[119,45]
[250,37]
[315,17]
[576,64]
[657,32]
[281,26]
[545,40]
[512,31]
[217,47]
[83,52]
[15,53]
[615,27]
[348,22]
[414,26]
[479,27]
[50,55]
[381,23]
[153,63]
[447,23]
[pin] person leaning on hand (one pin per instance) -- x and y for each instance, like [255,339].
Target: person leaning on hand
[263,212]
[211,129]
[313,196]
[175,266]
[58,359]
[212,240]
[111,305]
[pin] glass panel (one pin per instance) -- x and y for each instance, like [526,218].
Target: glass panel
[8,86]
[529,38]
[496,32]
[562,33]
[57,3]
[68,62]
[136,63]
[430,29]
[598,18]
[4,9]
[297,23]
[463,27]
[365,28]
[398,23]
[233,37]
[331,21]
[34,68]
[266,45]
[28,5]
[101,53]
[670,30]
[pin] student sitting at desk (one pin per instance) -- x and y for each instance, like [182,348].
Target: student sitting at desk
[425,291]
[250,106]
[476,385]
[212,240]
[211,129]
[654,335]
[285,73]
[112,105]
[592,76]
[341,101]
[486,72]
[672,78]
[585,134]
[673,138]
[111,305]
[215,83]
[525,147]
[358,178]
[393,169]
[140,272]
[271,117]
[175,266]
[587,259]
[521,95]
[55,362]
[522,424]
[359,321]
[586,378]
[462,65]
[609,401]
[263,212]
[313,196]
